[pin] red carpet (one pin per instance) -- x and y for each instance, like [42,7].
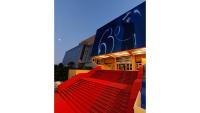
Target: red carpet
[99,91]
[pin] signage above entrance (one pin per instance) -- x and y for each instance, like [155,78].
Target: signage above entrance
[124,33]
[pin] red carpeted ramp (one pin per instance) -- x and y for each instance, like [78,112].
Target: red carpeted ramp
[99,91]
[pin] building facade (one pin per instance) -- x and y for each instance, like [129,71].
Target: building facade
[79,56]
[121,43]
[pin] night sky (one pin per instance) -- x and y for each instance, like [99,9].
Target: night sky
[76,20]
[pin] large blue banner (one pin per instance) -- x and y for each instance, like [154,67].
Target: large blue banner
[125,32]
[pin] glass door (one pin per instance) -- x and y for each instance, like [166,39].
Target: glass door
[124,66]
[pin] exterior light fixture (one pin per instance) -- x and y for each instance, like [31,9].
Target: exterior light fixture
[124,53]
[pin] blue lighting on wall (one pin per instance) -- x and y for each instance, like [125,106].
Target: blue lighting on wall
[128,31]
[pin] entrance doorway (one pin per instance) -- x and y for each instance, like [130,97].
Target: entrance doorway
[124,63]
[124,66]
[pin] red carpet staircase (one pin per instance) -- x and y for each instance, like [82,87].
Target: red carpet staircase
[99,91]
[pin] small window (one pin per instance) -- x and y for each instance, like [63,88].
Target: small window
[127,67]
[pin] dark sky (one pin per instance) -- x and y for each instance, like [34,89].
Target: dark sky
[76,20]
